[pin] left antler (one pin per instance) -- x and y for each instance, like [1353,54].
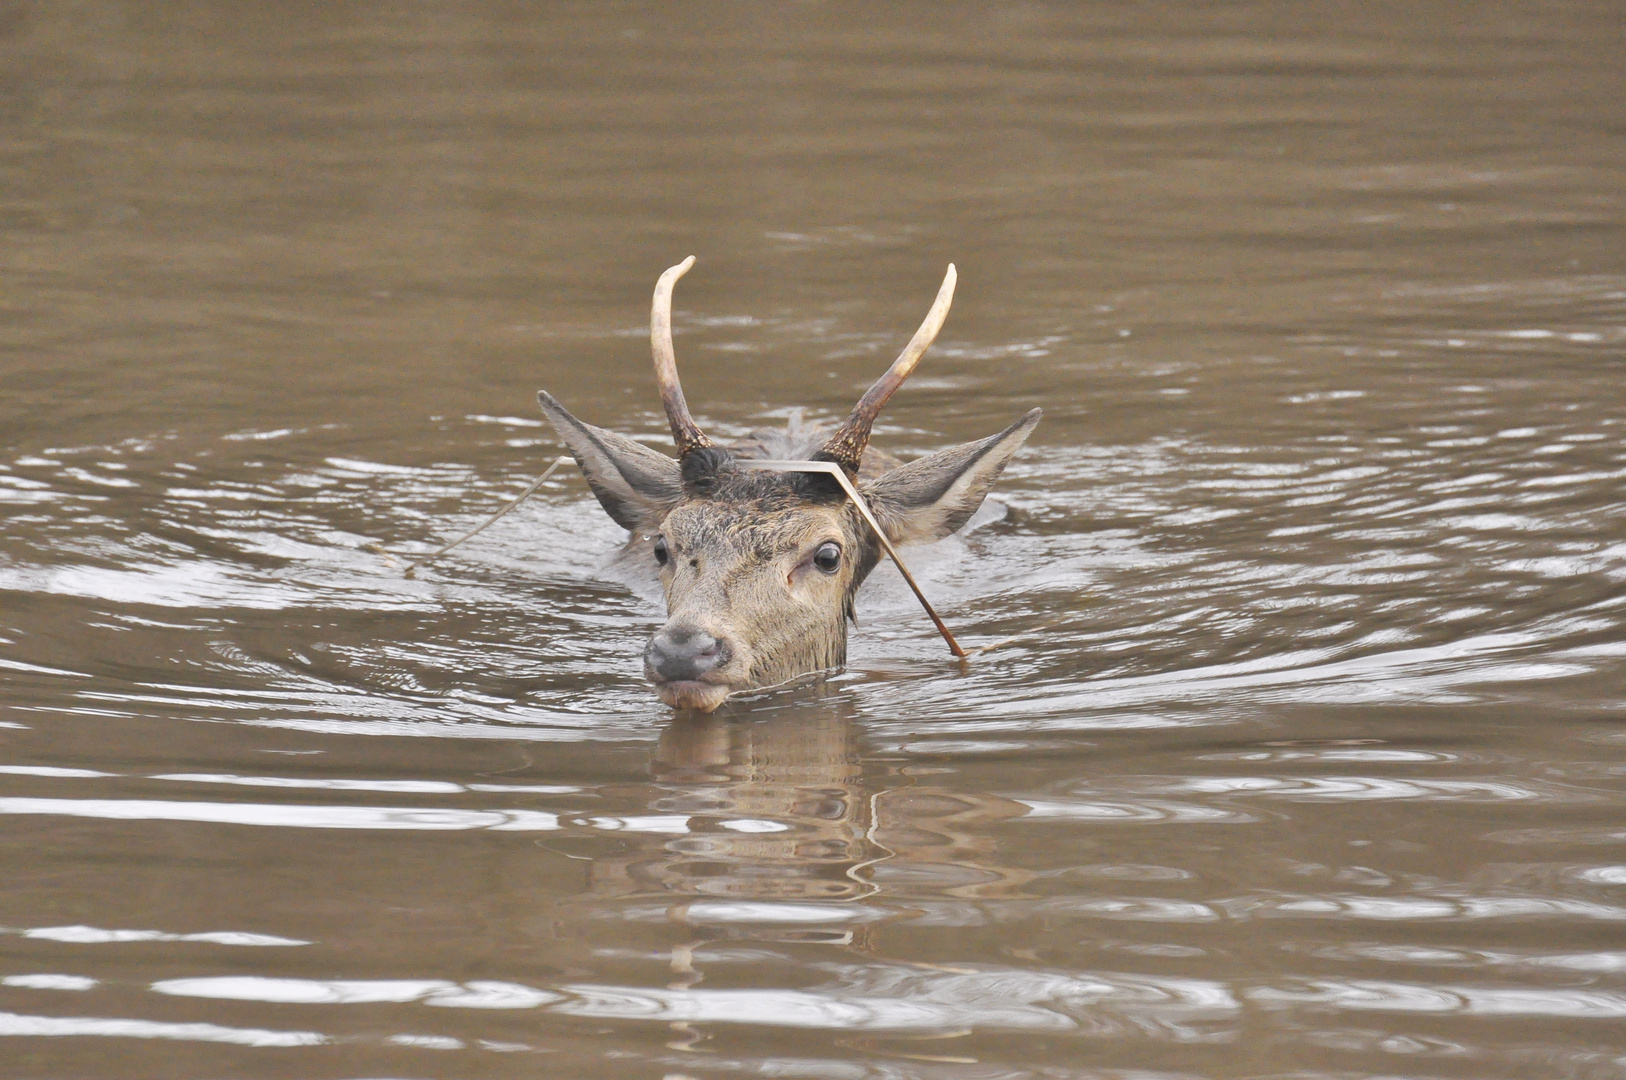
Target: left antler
[685,432]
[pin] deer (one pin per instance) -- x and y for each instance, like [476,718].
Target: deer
[760,568]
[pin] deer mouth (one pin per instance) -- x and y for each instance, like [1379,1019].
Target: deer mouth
[695,694]
[686,665]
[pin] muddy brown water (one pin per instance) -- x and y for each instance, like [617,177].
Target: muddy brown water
[1309,759]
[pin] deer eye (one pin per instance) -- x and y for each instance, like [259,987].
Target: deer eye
[661,553]
[828,557]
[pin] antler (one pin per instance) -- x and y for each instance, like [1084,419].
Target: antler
[847,445]
[685,432]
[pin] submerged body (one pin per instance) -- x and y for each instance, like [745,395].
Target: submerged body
[760,568]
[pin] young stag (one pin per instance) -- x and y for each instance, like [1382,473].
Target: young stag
[760,568]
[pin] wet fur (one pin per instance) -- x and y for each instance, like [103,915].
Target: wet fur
[741,539]
[737,521]
[797,441]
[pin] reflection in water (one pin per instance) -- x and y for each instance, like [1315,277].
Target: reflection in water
[776,810]
[781,810]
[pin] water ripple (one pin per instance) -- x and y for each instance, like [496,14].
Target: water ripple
[92,935]
[288,816]
[1372,995]
[70,1026]
[480,994]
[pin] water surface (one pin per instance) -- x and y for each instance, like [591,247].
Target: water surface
[1305,756]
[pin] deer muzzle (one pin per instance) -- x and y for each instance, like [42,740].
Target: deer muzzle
[685,663]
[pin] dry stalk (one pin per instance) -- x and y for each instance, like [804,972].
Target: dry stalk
[563,459]
[830,468]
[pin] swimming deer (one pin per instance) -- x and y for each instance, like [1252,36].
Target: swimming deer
[760,568]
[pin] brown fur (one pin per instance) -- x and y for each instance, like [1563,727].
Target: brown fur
[741,569]
[741,540]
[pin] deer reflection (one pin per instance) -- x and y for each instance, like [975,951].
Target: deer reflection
[776,810]
[794,836]
[785,810]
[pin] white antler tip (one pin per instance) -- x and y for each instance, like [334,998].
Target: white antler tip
[670,275]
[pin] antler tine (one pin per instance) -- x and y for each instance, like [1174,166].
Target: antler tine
[847,445]
[685,432]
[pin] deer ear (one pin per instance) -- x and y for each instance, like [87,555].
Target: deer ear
[635,485]
[931,497]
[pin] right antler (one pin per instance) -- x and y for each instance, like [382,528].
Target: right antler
[846,446]
[685,432]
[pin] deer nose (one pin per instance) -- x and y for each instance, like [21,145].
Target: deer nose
[683,653]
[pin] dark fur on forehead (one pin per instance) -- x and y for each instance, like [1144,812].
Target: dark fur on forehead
[701,468]
[712,473]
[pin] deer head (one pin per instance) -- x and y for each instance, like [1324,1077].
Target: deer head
[760,568]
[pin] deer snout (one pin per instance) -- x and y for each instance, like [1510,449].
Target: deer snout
[679,653]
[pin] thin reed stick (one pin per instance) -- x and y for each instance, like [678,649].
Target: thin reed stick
[527,493]
[832,469]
